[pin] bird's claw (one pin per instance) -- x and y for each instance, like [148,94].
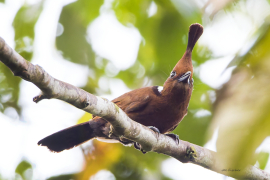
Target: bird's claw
[154,129]
[175,138]
[138,146]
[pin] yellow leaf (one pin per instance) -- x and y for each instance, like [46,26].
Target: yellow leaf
[86,117]
[103,156]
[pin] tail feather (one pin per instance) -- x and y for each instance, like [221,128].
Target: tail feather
[195,31]
[73,136]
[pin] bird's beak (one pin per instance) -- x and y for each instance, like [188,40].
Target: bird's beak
[184,77]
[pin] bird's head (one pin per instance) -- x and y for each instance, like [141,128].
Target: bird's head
[183,70]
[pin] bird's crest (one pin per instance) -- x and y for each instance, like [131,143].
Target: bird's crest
[185,63]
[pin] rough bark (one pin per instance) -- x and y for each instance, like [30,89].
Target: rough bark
[122,125]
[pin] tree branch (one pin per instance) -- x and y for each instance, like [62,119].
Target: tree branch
[122,125]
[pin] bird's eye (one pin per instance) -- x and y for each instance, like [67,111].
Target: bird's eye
[172,74]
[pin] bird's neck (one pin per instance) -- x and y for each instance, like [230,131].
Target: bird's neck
[177,93]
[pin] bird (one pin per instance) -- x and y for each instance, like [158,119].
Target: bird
[161,108]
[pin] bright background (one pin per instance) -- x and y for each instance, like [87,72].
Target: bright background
[113,46]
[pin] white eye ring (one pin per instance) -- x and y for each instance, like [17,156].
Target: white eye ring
[173,73]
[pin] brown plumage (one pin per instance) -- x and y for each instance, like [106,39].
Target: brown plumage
[150,106]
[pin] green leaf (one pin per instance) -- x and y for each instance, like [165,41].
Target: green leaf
[63,177]
[9,88]
[75,18]
[24,24]
[263,158]
[21,169]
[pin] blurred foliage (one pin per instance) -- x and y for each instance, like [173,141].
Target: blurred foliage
[165,36]
[242,117]
[85,118]
[101,156]
[2,1]
[262,158]
[75,19]
[63,177]
[23,24]
[135,163]
[9,89]
[24,170]
[242,107]
[217,5]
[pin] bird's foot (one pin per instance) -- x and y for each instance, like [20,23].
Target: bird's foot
[138,146]
[175,137]
[154,129]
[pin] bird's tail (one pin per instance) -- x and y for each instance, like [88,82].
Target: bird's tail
[74,135]
[195,31]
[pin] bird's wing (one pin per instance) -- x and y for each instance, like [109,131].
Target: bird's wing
[133,101]
[138,105]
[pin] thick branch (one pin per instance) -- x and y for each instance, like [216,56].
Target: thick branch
[123,126]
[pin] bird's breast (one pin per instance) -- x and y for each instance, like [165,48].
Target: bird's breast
[165,113]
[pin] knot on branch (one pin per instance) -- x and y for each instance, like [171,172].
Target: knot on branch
[85,104]
[191,153]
